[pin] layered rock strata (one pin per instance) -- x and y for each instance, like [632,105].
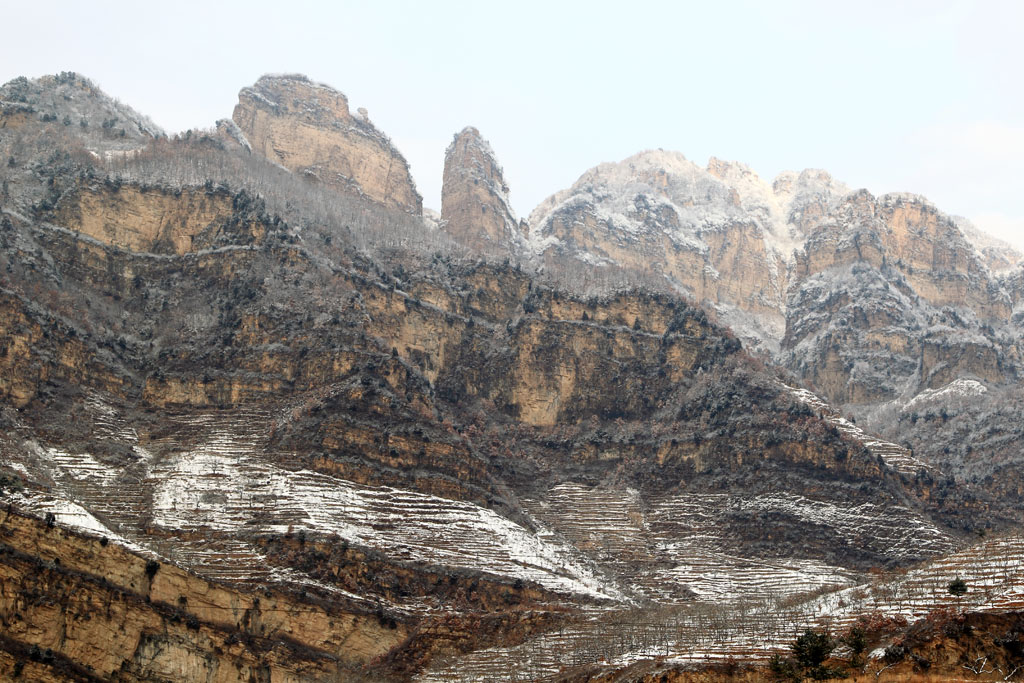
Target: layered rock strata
[308,128]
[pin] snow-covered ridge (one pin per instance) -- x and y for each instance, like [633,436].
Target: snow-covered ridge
[704,199]
[958,390]
[895,456]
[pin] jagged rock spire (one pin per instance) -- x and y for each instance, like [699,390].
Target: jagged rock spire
[474,196]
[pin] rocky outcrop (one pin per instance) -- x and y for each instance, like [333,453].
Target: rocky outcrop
[474,197]
[308,128]
[76,607]
[889,298]
[74,103]
[158,221]
[716,234]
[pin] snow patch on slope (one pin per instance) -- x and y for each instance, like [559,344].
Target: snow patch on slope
[894,455]
[219,491]
[958,390]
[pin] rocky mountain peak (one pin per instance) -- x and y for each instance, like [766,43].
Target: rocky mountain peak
[307,128]
[74,102]
[298,95]
[674,223]
[730,170]
[474,195]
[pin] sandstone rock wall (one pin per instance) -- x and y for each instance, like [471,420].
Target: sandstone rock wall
[474,196]
[308,128]
[92,606]
[152,220]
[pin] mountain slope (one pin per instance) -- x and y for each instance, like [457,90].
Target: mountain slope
[268,378]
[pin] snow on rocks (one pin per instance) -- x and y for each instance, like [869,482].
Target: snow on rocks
[71,515]
[957,391]
[993,571]
[673,549]
[223,485]
[895,456]
[209,490]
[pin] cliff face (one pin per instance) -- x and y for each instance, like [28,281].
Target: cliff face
[937,259]
[308,128]
[90,610]
[474,196]
[423,455]
[156,221]
[715,234]
[888,299]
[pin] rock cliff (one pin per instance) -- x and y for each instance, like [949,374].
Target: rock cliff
[707,234]
[888,299]
[156,221]
[308,128]
[411,455]
[474,196]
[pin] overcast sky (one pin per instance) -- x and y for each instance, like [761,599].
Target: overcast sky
[921,97]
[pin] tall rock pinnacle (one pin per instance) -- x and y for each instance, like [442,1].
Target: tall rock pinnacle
[474,196]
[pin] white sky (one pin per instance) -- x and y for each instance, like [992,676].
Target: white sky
[917,96]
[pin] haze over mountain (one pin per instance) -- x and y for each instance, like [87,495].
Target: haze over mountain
[265,418]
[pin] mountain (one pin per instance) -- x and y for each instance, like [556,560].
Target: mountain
[295,429]
[876,303]
[308,128]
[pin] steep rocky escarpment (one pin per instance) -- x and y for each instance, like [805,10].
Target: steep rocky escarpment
[474,196]
[86,609]
[308,128]
[889,299]
[157,221]
[937,259]
[299,392]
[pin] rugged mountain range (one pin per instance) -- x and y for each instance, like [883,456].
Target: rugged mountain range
[330,437]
